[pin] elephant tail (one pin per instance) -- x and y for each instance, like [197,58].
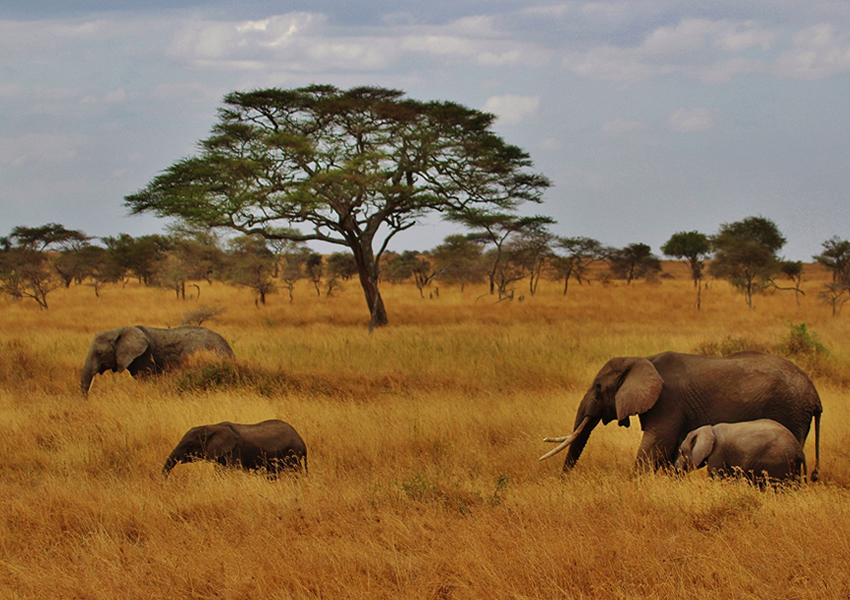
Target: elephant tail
[815,475]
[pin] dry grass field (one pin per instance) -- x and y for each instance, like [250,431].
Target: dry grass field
[423,441]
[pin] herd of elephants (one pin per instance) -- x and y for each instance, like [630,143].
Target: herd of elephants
[744,414]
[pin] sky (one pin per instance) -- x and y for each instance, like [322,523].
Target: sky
[650,117]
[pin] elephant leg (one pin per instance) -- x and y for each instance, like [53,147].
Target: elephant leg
[656,451]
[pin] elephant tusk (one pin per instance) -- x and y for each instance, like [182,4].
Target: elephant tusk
[565,440]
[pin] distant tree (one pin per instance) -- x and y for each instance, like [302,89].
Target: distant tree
[199,251]
[633,262]
[499,229]
[193,255]
[358,166]
[283,243]
[341,265]
[532,249]
[26,273]
[97,264]
[251,265]
[836,258]
[143,256]
[573,258]
[314,268]
[71,265]
[458,260]
[51,236]
[25,268]
[745,254]
[835,295]
[791,270]
[410,264]
[691,247]
[294,267]
[507,273]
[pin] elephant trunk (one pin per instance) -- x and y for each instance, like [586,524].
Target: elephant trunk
[173,459]
[169,464]
[579,441]
[89,369]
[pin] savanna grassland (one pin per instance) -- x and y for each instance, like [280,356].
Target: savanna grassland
[423,441]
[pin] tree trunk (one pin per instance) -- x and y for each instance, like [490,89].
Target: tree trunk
[367,269]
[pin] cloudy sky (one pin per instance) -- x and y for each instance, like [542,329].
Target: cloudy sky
[649,116]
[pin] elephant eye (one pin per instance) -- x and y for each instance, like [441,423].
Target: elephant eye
[598,386]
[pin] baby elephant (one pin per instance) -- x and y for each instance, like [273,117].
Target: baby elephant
[762,450]
[271,445]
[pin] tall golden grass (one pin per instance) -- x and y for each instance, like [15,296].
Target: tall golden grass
[423,441]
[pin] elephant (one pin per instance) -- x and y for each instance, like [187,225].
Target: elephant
[761,451]
[272,445]
[147,350]
[673,393]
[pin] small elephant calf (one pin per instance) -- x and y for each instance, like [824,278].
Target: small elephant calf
[272,445]
[761,450]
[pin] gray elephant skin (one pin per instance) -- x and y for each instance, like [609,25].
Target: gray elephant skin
[673,393]
[272,445]
[761,451]
[147,350]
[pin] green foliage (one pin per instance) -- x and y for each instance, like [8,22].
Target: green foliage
[690,246]
[143,256]
[341,265]
[459,260]
[745,254]
[836,258]
[356,166]
[501,230]
[802,342]
[573,258]
[633,262]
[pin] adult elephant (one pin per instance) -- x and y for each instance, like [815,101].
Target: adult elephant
[147,350]
[272,445]
[673,394]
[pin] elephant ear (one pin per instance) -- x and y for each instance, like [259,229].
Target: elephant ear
[130,344]
[703,445]
[220,440]
[639,389]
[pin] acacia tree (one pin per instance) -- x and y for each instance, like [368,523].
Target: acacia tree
[24,264]
[579,253]
[532,250]
[633,262]
[499,229]
[836,258]
[745,254]
[691,247]
[357,167]
[792,270]
[252,264]
[459,260]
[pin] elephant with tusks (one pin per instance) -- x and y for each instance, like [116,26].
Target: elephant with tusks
[673,393]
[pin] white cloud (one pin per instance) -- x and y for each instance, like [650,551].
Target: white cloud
[620,125]
[691,120]
[551,144]
[41,148]
[115,96]
[818,52]
[511,109]
[724,71]
[698,48]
